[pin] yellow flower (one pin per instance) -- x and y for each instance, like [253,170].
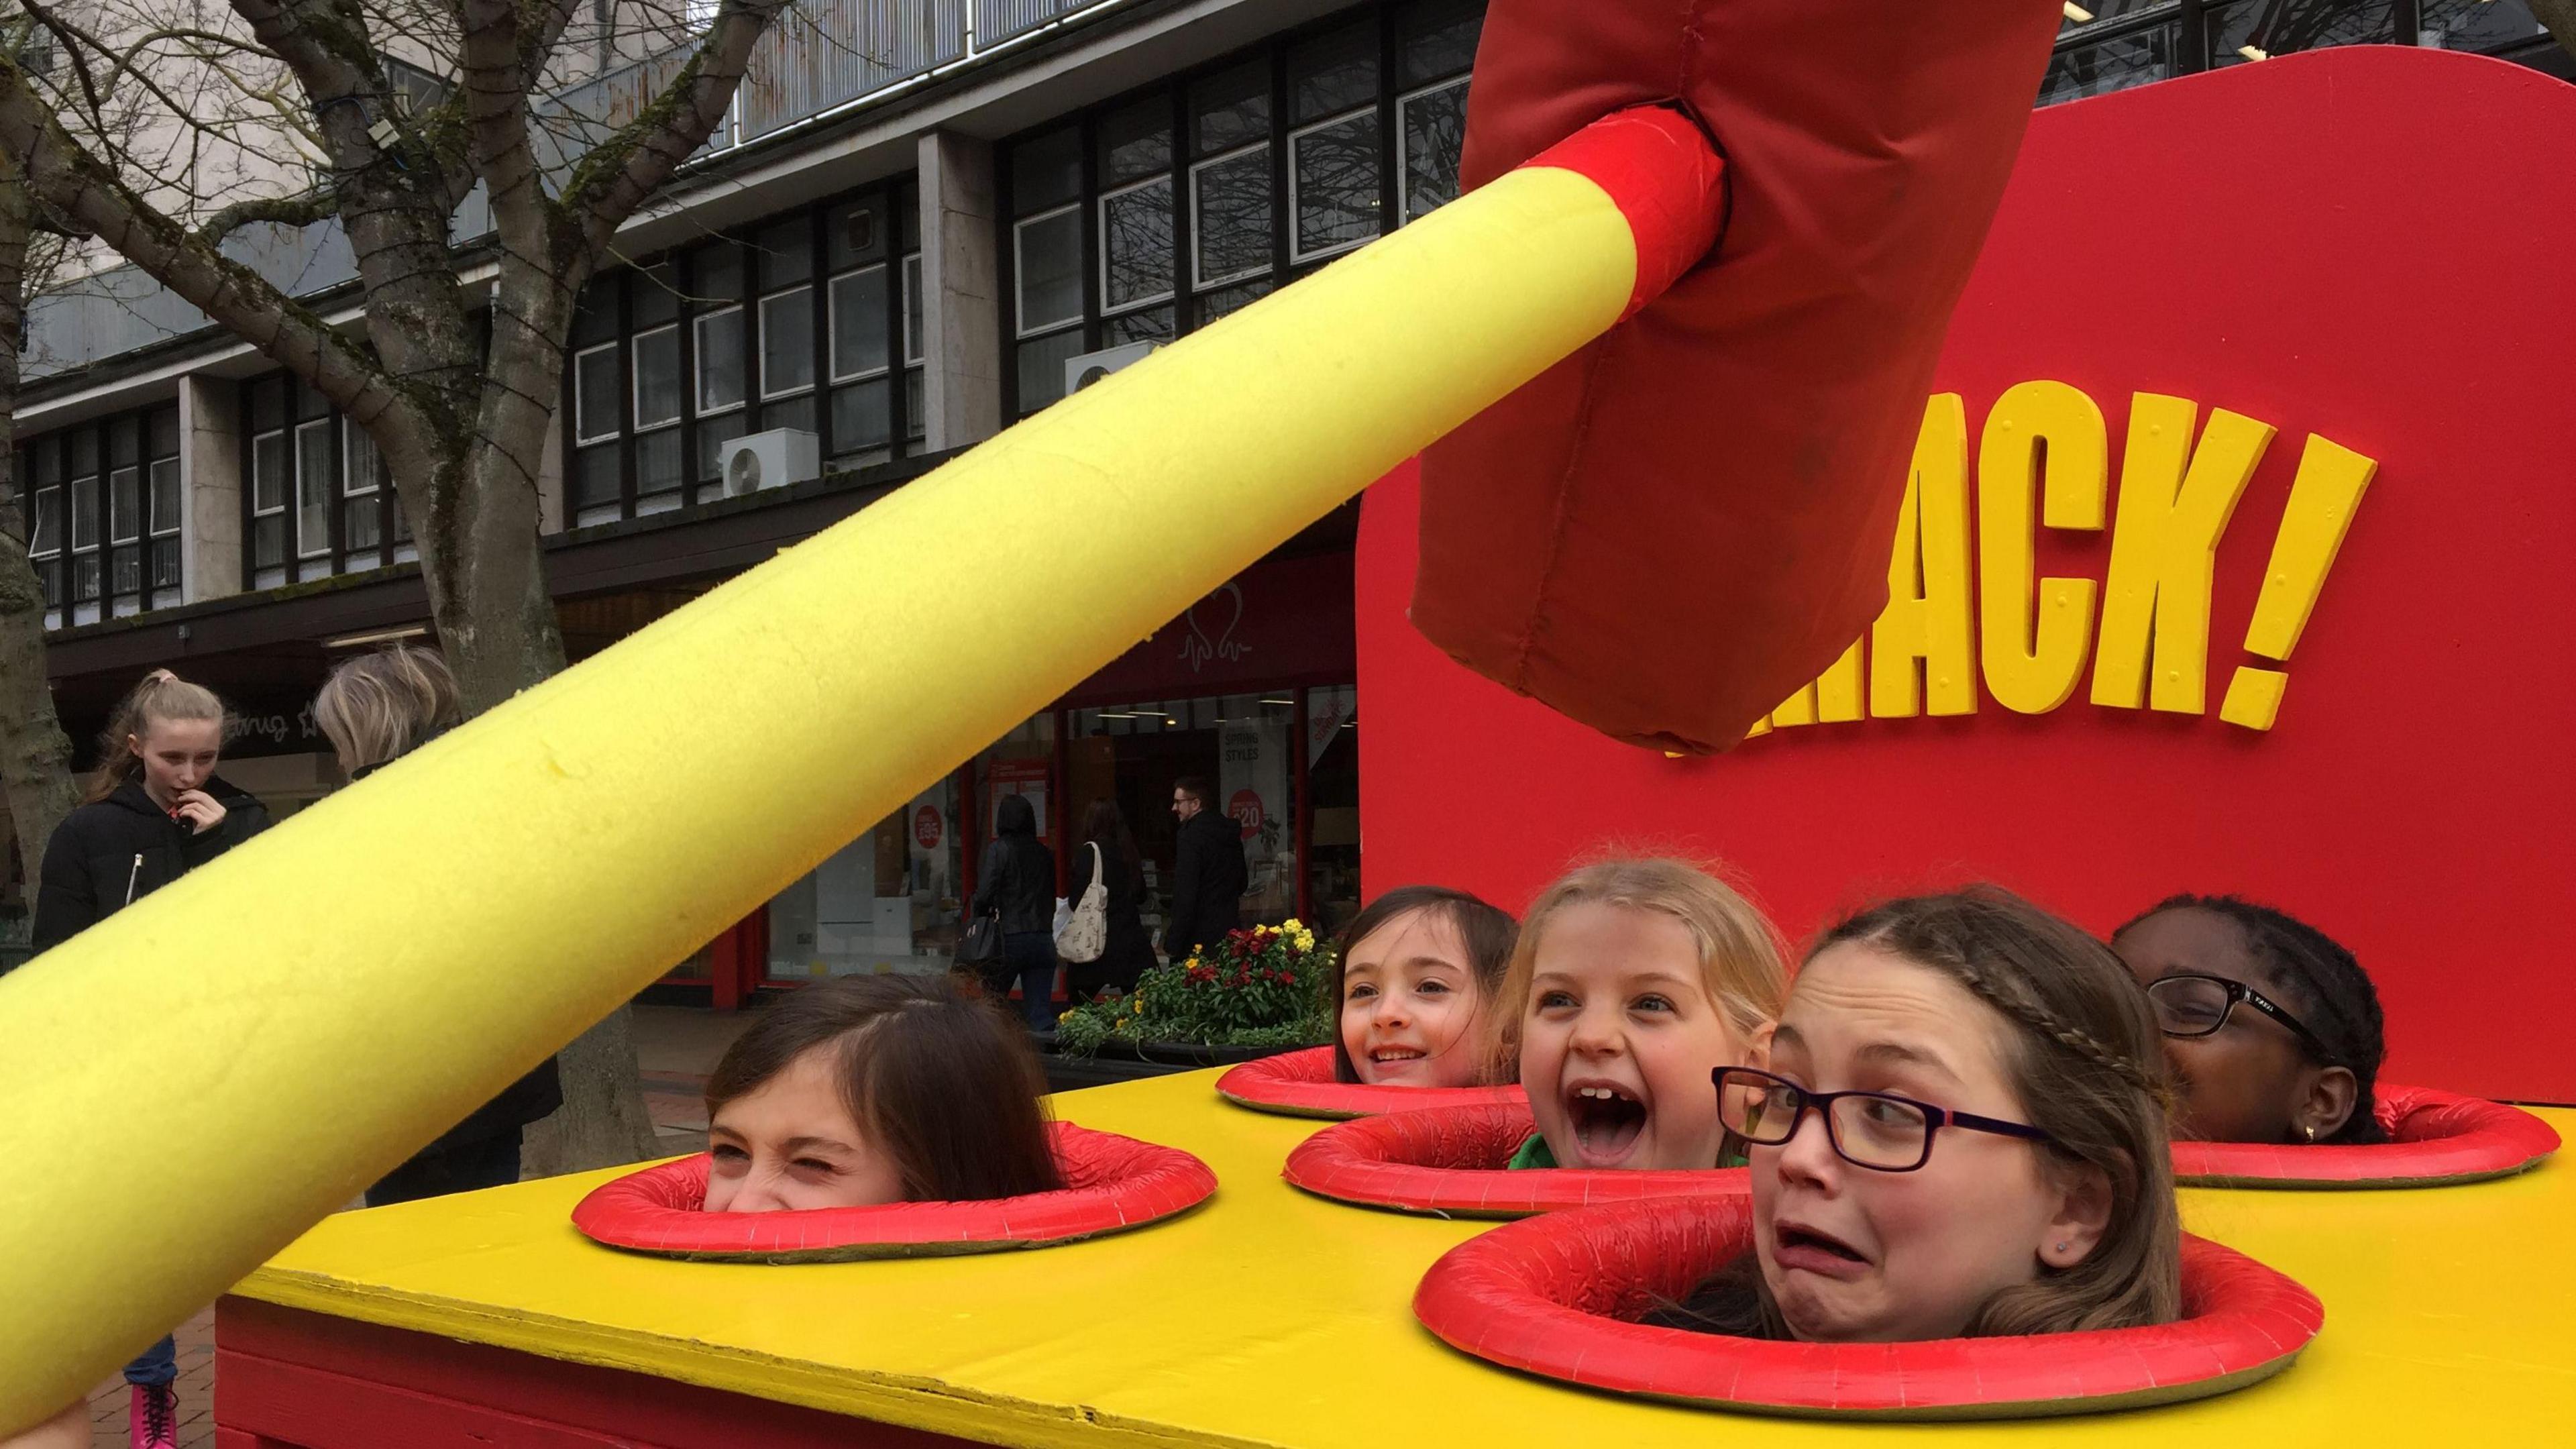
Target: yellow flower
[1293,924]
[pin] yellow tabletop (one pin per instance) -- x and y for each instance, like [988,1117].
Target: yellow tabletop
[1272,1318]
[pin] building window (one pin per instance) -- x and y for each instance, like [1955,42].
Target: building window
[103,515]
[319,499]
[1167,210]
[787,325]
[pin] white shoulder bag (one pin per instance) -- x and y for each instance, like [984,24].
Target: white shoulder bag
[1085,933]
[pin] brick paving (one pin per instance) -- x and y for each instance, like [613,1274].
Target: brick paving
[677,1046]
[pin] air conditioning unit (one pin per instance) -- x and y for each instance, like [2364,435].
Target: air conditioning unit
[772,459]
[1090,367]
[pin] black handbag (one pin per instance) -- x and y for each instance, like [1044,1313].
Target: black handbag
[983,943]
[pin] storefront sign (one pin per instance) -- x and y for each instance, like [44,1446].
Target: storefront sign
[926,827]
[1280,620]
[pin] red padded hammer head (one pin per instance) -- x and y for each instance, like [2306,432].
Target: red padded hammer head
[1670,532]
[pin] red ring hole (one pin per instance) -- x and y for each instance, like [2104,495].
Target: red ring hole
[1116,1183]
[1449,1161]
[2436,1139]
[1556,1296]
[1301,1084]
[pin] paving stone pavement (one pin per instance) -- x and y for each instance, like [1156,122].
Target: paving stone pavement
[677,1046]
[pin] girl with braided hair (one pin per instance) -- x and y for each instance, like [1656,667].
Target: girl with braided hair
[1960,1133]
[2272,1029]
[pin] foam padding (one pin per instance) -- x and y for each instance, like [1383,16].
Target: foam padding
[1302,1084]
[2435,1139]
[1669,584]
[1112,1184]
[1449,1161]
[1558,1296]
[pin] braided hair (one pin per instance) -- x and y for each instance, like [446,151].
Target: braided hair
[2087,1062]
[2325,986]
[2085,1059]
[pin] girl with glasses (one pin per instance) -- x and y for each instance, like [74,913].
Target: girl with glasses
[1960,1132]
[2273,1030]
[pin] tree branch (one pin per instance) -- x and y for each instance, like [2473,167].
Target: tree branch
[86,193]
[305,210]
[2558,17]
[622,172]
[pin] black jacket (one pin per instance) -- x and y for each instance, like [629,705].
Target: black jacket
[1208,881]
[1018,872]
[1128,950]
[122,849]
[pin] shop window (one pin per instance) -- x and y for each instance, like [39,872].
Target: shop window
[595,394]
[1333,185]
[1433,123]
[888,901]
[1333,806]
[720,360]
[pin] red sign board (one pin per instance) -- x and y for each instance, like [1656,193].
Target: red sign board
[2273,612]
[927,827]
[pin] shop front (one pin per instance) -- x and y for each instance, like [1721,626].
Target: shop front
[1251,689]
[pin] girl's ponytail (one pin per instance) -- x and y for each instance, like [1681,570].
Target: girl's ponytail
[161,696]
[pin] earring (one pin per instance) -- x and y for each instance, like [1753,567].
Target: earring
[2061,1247]
[2311,1130]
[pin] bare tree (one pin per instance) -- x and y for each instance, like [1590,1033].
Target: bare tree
[35,754]
[381,117]
[2558,17]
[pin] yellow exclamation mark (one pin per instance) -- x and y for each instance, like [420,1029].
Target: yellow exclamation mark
[2323,499]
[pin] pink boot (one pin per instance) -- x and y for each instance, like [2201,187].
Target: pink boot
[153,1419]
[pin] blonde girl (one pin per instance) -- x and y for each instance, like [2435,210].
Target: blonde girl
[1634,980]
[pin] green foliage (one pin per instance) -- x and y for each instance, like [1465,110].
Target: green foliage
[1263,987]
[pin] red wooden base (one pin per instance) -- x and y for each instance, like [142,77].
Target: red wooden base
[288,1379]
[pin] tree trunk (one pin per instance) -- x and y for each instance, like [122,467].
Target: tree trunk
[35,754]
[602,1122]
[2559,18]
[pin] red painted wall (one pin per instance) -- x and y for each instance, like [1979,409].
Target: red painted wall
[2367,244]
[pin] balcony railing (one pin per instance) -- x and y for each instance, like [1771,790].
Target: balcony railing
[822,55]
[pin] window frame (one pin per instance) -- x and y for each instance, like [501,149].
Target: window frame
[1019,273]
[832,320]
[1199,282]
[698,362]
[634,343]
[1100,209]
[581,394]
[1403,144]
[1298,254]
[769,394]
[330,493]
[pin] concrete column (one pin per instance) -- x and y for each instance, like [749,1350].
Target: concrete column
[210,482]
[961,292]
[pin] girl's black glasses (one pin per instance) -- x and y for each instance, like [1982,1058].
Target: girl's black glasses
[2193,1005]
[1866,1129]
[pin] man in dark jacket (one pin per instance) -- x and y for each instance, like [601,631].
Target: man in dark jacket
[1208,874]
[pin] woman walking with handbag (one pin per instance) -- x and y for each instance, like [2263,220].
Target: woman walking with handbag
[1119,950]
[1016,882]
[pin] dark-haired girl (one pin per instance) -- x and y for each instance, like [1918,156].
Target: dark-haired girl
[2273,1029]
[867,1090]
[1416,976]
[1960,1133]
[1017,883]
